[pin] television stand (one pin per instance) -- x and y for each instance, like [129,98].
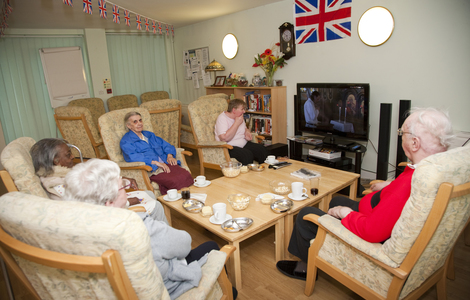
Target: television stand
[296,146]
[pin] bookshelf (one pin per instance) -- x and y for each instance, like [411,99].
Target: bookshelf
[278,107]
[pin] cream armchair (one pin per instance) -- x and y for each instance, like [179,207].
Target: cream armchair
[75,250]
[77,126]
[166,119]
[123,101]
[417,255]
[157,95]
[19,172]
[94,105]
[112,129]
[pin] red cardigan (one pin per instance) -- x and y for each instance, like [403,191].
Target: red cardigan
[375,224]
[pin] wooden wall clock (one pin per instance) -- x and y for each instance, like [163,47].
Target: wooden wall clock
[287,40]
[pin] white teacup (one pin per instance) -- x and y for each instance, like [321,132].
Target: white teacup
[200,180]
[220,211]
[271,159]
[298,189]
[172,194]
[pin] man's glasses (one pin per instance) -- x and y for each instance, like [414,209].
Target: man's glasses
[401,132]
[125,184]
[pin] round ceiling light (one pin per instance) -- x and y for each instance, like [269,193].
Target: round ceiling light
[230,46]
[375,26]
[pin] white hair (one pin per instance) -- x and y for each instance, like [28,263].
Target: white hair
[433,126]
[96,181]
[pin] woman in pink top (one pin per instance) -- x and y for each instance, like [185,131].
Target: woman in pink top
[230,127]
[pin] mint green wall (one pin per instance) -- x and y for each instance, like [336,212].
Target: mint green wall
[426,60]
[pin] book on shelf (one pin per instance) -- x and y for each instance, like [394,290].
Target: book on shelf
[260,124]
[255,102]
[324,153]
[305,173]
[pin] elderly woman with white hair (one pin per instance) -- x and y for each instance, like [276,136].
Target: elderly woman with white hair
[99,182]
[141,145]
[425,132]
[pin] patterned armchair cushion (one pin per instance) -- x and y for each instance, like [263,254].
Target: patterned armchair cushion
[187,135]
[204,113]
[212,96]
[165,124]
[17,161]
[120,102]
[81,229]
[74,130]
[94,105]
[150,96]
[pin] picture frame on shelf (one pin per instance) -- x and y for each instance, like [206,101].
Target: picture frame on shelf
[219,81]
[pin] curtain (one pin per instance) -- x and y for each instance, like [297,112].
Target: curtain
[138,63]
[25,107]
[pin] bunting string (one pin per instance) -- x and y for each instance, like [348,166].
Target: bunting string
[156,26]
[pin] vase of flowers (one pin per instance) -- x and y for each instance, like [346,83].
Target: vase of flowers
[269,61]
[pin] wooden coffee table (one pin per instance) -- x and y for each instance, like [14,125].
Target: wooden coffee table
[253,184]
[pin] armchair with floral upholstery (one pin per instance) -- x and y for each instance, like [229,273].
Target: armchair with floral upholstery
[417,254]
[19,172]
[157,95]
[112,129]
[77,126]
[166,119]
[123,101]
[77,250]
[94,105]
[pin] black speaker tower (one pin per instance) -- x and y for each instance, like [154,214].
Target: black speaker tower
[405,106]
[384,140]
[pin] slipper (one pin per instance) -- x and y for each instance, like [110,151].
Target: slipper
[287,267]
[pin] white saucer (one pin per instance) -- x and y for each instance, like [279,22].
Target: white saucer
[213,221]
[297,199]
[166,198]
[275,162]
[202,185]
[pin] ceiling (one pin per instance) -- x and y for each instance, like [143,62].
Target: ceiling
[54,14]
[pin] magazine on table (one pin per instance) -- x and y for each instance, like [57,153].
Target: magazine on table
[305,173]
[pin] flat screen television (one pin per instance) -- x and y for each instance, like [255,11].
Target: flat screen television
[336,111]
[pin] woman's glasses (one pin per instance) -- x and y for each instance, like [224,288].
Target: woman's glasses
[125,184]
[401,132]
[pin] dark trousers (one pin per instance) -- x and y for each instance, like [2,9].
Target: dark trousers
[250,152]
[178,178]
[304,230]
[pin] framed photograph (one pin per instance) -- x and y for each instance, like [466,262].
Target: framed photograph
[219,81]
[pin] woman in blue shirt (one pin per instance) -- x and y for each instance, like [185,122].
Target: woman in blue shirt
[141,145]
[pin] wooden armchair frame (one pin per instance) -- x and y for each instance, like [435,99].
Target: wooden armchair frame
[110,263]
[446,192]
[82,118]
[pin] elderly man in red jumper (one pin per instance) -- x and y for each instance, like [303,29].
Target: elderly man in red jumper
[426,131]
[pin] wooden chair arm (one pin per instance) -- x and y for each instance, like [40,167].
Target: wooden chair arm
[8,181]
[368,191]
[215,146]
[144,167]
[187,153]
[260,138]
[224,283]
[395,271]
[228,249]
[137,208]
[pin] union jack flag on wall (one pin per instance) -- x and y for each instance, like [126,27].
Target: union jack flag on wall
[102,6]
[87,7]
[322,20]
[116,17]
[68,2]
[154,26]
[127,17]
[160,27]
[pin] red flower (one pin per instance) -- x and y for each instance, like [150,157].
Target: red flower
[278,44]
[268,52]
[255,65]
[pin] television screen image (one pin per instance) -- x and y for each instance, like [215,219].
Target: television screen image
[333,109]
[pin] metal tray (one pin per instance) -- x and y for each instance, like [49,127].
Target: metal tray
[193,206]
[282,205]
[237,224]
[256,167]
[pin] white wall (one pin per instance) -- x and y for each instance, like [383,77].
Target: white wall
[426,60]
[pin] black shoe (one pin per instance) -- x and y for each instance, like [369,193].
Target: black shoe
[287,267]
